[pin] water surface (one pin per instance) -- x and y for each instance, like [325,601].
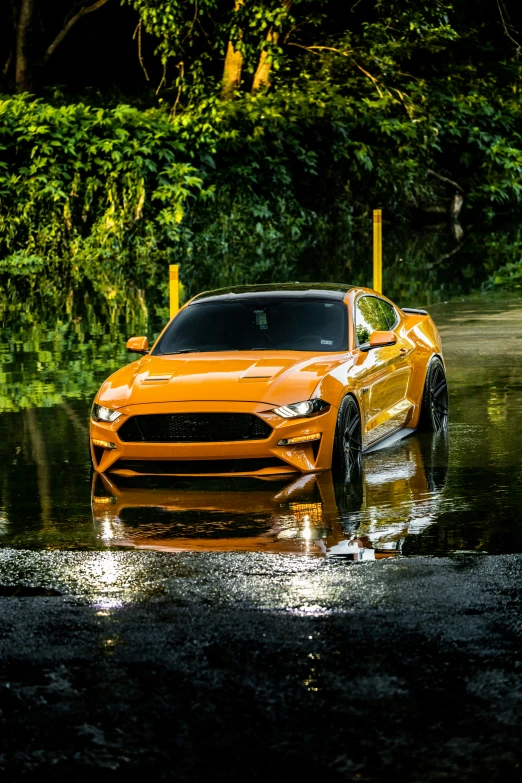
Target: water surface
[426,495]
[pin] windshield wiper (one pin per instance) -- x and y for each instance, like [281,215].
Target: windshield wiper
[183,350]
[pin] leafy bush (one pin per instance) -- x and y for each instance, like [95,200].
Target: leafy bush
[93,194]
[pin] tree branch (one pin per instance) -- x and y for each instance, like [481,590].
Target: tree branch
[181,67]
[445,179]
[163,78]
[506,24]
[137,32]
[444,257]
[372,78]
[64,31]
[322,48]
[192,23]
[317,49]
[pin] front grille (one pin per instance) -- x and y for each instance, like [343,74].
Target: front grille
[193,428]
[199,465]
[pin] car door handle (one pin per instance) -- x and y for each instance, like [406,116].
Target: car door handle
[403,351]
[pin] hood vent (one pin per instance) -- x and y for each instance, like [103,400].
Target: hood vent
[157,379]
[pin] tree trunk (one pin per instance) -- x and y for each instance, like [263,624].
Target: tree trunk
[456,205]
[262,74]
[232,71]
[23,66]
[233,65]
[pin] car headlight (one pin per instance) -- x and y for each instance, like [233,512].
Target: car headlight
[298,410]
[100,413]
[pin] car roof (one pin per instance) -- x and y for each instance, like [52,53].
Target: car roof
[276,290]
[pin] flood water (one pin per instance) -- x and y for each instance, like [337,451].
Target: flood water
[428,494]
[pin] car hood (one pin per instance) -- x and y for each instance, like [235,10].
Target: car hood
[277,379]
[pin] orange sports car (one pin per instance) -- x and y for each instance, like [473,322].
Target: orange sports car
[271,379]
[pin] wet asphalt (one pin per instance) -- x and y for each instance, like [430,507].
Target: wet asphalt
[229,665]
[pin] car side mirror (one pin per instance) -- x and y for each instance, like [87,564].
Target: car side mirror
[138,345]
[378,340]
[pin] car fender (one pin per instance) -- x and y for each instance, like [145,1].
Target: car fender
[422,330]
[336,384]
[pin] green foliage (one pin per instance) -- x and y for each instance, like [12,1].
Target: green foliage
[504,261]
[60,362]
[93,194]
[261,186]
[192,37]
[508,276]
[20,265]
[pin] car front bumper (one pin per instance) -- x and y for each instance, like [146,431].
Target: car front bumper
[240,458]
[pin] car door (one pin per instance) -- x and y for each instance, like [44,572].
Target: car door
[382,373]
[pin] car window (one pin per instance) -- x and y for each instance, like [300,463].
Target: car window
[267,323]
[372,315]
[390,315]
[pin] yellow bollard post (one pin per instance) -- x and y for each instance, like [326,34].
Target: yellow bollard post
[173,289]
[377,250]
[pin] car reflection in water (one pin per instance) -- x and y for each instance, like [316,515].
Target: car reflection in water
[396,493]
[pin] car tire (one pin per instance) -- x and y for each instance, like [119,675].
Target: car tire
[434,404]
[347,449]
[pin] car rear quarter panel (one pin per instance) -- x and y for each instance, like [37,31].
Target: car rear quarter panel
[422,330]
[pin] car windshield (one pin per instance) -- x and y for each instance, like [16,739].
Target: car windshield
[258,324]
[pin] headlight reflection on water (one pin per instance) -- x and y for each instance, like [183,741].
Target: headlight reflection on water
[107,531]
[109,527]
[106,569]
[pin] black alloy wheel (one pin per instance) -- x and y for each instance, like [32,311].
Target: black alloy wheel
[348,439]
[434,410]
